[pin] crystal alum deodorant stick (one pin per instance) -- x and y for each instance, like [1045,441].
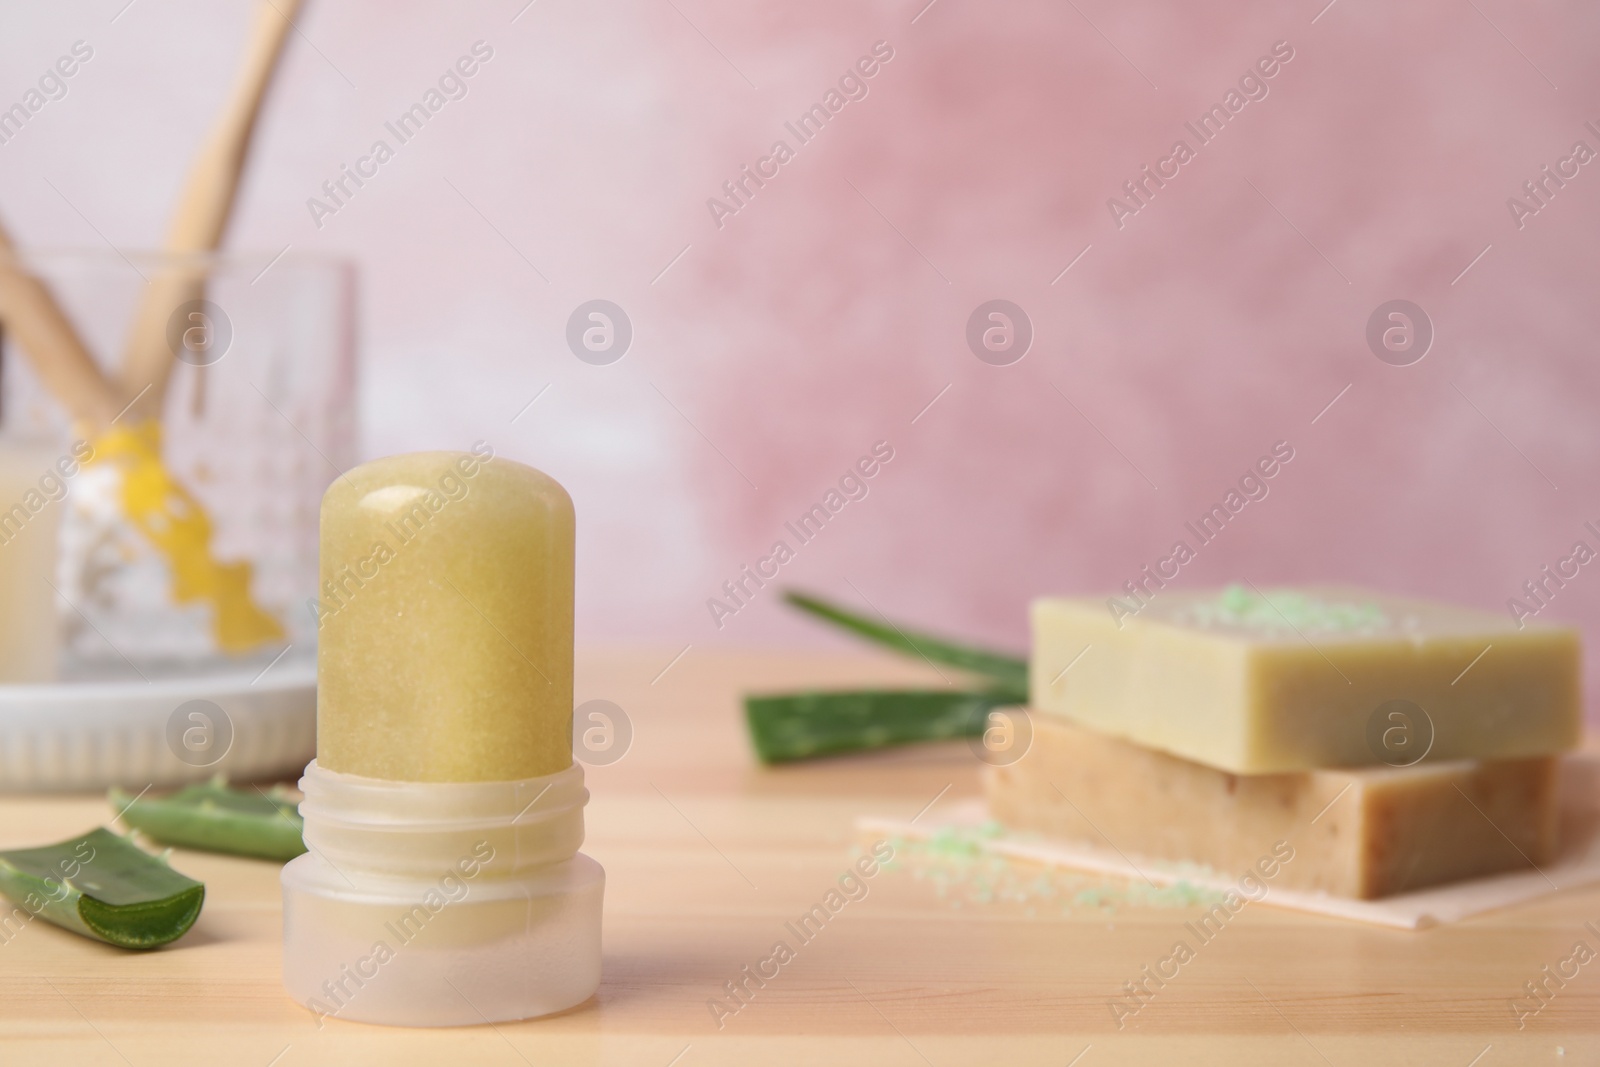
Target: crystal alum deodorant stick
[443,813]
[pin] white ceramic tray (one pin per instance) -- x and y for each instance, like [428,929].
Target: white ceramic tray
[93,735]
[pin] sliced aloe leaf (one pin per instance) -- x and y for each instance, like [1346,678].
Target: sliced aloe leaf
[214,817]
[793,726]
[1010,671]
[103,886]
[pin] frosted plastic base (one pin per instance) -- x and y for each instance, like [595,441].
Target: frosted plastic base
[530,950]
[441,904]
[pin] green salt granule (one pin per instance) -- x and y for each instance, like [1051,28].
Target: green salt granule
[1283,610]
[961,873]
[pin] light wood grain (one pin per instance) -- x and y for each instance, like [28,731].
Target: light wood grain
[707,857]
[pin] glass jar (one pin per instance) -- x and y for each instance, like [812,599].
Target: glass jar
[189,545]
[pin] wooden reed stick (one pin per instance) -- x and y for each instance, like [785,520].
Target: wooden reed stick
[202,213]
[52,345]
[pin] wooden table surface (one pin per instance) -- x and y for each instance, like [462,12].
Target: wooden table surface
[946,960]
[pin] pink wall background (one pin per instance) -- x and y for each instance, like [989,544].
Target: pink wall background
[826,314]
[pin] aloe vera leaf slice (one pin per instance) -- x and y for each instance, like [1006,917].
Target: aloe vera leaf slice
[214,817]
[791,726]
[103,886]
[1010,671]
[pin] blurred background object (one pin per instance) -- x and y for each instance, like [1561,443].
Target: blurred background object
[135,578]
[566,153]
[257,424]
[162,576]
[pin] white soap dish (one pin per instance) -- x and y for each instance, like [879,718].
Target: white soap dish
[92,735]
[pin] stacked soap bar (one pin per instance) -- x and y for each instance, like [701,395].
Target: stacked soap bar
[1394,744]
[1364,832]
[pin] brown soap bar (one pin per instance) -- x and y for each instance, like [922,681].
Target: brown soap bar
[1366,832]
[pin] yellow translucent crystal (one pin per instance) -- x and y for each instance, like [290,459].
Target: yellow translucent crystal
[445,620]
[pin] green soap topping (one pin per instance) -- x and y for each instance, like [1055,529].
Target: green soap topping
[1282,611]
[1235,598]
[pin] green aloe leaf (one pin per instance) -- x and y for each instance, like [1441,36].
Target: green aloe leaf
[1011,672]
[216,818]
[103,886]
[793,726]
